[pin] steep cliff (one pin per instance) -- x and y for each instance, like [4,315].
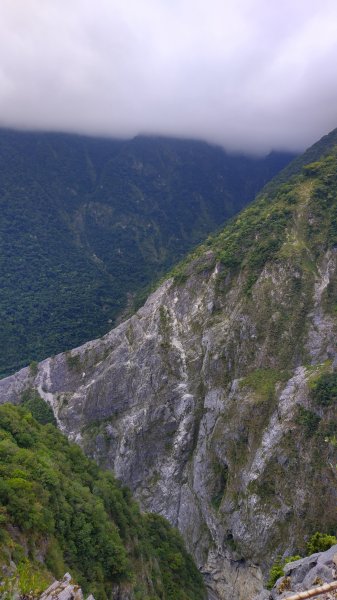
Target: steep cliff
[216,402]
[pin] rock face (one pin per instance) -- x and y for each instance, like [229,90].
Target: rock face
[202,404]
[64,590]
[305,574]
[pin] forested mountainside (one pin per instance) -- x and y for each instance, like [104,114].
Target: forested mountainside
[216,402]
[87,223]
[317,151]
[59,511]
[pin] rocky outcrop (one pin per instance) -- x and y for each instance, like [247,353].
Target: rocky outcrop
[305,574]
[64,590]
[201,403]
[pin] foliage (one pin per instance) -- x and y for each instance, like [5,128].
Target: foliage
[312,168]
[263,381]
[33,368]
[314,154]
[41,411]
[308,420]
[268,230]
[74,362]
[249,241]
[277,569]
[220,482]
[29,578]
[169,552]
[319,542]
[324,389]
[85,521]
[87,223]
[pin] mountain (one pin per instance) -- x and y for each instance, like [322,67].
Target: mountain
[317,151]
[216,401]
[87,223]
[58,510]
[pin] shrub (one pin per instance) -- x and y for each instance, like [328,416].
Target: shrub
[277,569]
[40,410]
[324,390]
[319,542]
[308,420]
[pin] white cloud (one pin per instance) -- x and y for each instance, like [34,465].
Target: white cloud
[249,74]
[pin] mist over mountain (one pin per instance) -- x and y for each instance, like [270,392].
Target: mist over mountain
[168,299]
[251,75]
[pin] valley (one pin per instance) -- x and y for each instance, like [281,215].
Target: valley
[216,401]
[87,225]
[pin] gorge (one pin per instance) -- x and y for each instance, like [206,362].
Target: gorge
[216,401]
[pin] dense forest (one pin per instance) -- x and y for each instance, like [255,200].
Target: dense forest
[59,512]
[86,224]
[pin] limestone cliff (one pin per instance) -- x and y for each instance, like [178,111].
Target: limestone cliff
[207,401]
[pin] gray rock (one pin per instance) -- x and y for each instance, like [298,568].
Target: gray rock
[64,590]
[196,410]
[304,574]
[264,595]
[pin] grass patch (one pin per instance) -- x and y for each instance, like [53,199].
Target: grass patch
[263,382]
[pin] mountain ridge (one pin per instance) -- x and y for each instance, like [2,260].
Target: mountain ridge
[215,402]
[87,223]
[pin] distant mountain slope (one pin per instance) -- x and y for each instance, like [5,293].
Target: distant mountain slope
[84,222]
[317,151]
[216,401]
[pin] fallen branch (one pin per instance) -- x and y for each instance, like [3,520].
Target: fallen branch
[322,589]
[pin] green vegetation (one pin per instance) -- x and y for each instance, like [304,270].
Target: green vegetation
[324,390]
[269,230]
[87,223]
[40,410]
[59,511]
[318,542]
[74,362]
[277,570]
[220,482]
[263,382]
[314,154]
[248,241]
[165,327]
[307,420]
[318,420]
[33,368]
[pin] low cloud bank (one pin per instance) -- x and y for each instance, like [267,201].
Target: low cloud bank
[250,75]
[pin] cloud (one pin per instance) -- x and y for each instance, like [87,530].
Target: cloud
[248,74]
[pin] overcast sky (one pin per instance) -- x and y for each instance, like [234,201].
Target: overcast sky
[249,74]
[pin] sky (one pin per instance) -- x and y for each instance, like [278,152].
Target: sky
[251,75]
